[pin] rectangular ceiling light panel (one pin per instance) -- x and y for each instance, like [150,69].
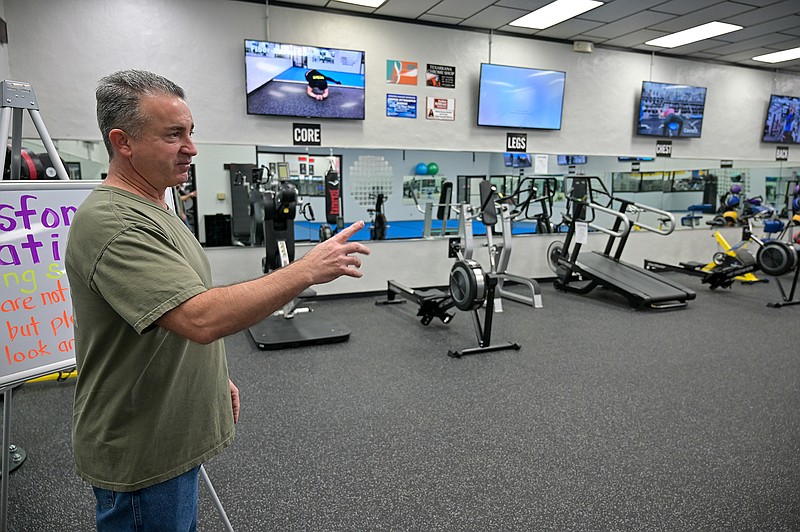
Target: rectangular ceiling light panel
[779,57]
[698,33]
[553,13]
[367,3]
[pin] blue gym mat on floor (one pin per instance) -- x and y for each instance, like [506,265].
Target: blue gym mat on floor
[299,75]
[397,230]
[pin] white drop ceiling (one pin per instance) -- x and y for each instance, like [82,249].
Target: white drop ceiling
[769,25]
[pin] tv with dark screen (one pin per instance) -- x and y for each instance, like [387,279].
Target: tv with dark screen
[671,110]
[782,123]
[517,97]
[303,81]
[571,159]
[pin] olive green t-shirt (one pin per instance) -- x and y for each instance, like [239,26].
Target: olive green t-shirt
[149,404]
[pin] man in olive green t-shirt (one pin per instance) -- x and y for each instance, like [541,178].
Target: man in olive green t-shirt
[153,400]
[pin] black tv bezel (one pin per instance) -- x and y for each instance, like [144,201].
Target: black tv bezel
[766,115]
[661,135]
[272,115]
[563,97]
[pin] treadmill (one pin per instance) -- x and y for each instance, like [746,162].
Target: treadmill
[582,272]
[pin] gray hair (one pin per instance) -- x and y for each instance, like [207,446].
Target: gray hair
[118,97]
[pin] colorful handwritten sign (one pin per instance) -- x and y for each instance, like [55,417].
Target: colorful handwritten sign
[36,321]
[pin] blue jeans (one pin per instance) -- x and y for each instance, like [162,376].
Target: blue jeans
[168,506]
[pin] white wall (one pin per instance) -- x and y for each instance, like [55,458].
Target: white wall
[5,71]
[62,48]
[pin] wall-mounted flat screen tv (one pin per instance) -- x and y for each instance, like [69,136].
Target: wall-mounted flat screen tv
[623,159]
[516,97]
[782,123]
[571,159]
[517,160]
[671,110]
[303,81]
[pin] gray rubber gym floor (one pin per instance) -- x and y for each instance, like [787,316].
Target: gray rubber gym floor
[606,419]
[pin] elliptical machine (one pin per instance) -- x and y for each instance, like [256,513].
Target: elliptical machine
[524,203]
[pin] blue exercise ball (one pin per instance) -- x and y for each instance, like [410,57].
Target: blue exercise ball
[421,169]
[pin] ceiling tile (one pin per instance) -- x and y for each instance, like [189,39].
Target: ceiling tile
[618,9]
[569,29]
[316,3]
[631,39]
[769,25]
[698,46]
[683,7]
[493,17]
[405,8]
[517,29]
[527,5]
[743,56]
[440,19]
[766,14]
[628,24]
[784,24]
[720,11]
[785,45]
[749,44]
[458,8]
[759,3]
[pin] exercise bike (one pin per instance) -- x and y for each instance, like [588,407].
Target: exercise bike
[775,258]
[734,263]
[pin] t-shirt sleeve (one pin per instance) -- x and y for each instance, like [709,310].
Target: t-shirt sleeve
[143,275]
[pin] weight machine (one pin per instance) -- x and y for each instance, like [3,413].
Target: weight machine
[281,330]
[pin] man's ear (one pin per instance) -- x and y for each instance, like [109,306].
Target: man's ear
[120,141]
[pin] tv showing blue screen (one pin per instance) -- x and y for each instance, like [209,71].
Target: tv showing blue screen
[516,97]
[782,123]
[303,81]
[624,159]
[571,159]
[671,110]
